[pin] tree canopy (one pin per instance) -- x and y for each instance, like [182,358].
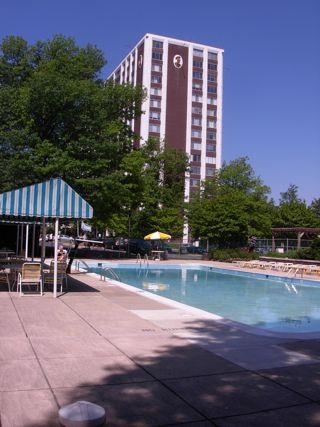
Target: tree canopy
[152,183]
[57,117]
[294,212]
[234,205]
[231,206]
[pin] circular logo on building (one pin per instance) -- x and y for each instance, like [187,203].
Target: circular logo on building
[177,61]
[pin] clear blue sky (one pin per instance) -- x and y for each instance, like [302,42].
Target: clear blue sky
[271,67]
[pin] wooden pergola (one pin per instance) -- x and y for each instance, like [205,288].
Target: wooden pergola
[299,231]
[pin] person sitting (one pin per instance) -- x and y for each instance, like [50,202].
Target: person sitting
[62,254]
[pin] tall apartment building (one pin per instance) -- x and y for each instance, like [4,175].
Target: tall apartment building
[184,104]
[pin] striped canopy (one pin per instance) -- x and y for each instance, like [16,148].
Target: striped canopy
[50,199]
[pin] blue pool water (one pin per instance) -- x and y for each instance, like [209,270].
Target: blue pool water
[279,304]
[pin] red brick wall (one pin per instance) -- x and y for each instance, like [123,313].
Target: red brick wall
[177,86]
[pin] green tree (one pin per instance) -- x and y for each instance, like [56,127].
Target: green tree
[294,212]
[58,117]
[153,180]
[290,196]
[231,206]
[315,207]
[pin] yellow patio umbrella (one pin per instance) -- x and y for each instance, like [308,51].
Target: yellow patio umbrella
[157,235]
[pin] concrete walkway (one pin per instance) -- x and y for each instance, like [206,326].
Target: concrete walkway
[147,363]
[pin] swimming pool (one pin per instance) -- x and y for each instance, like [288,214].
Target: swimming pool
[268,302]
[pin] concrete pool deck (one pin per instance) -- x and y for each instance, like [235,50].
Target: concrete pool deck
[147,363]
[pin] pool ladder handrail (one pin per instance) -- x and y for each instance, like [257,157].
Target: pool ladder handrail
[138,260]
[145,259]
[113,273]
[85,265]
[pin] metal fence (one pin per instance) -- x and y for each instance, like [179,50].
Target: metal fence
[281,245]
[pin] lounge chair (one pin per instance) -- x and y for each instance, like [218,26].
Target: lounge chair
[30,276]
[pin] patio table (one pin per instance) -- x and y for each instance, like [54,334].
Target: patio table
[12,267]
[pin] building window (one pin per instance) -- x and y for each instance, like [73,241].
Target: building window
[211,78]
[211,148]
[211,124]
[196,98]
[196,133]
[156,103]
[154,128]
[196,158]
[195,170]
[156,79]
[155,91]
[154,115]
[157,68]
[211,136]
[212,89]
[157,44]
[211,101]
[196,110]
[194,182]
[210,160]
[197,64]
[157,55]
[198,52]
[196,145]
[196,121]
[211,113]
[212,67]
[196,86]
[210,171]
[197,75]
[213,56]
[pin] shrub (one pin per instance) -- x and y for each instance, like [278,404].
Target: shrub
[229,255]
[310,253]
